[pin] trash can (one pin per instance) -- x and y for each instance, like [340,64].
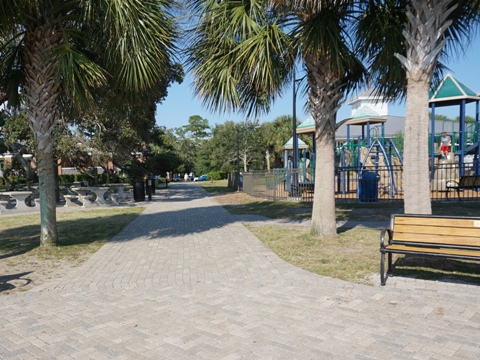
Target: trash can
[138,191]
[150,187]
[368,187]
[153,184]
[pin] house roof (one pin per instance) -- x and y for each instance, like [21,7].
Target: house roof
[393,125]
[450,92]
[368,93]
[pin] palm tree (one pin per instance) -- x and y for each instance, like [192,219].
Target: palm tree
[244,53]
[413,34]
[58,52]
[276,134]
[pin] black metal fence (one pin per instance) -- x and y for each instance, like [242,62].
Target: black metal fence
[362,184]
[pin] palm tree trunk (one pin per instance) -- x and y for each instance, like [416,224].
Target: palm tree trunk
[267,158]
[416,178]
[323,210]
[427,22]
[324,99]
[47,189]
[41,94]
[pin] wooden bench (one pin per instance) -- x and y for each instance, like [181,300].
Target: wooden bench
[466,182]
[437,236]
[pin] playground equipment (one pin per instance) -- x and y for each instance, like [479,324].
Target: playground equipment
[365,163]
[296,179]
[381,158]
[450,92]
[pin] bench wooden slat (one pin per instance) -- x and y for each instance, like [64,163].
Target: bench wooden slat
[442,251]
[443,222]
[436,230]
[436,239]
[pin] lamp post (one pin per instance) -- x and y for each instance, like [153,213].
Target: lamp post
[238,159]
[294,139]
[294,124]
[238,162]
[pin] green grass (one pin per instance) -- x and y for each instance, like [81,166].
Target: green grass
[217,186]
[78,232]
[352,255]
[274,210]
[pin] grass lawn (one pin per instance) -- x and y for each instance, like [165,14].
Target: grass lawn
[353,255]
[76,229]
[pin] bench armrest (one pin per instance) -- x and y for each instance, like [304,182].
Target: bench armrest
[387,231]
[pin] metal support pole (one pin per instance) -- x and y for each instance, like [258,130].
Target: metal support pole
[294,124]
[477,119]
[432,144]
[462,137]
[238,160]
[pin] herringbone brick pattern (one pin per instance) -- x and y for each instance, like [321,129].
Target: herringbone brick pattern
[186,281]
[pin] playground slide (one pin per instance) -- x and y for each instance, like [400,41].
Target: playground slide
[472,149]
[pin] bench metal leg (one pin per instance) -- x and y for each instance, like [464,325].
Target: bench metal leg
[389,263]
[382,269]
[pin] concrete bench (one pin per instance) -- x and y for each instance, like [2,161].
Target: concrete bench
[70,200]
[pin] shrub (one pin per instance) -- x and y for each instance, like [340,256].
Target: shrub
[66,179]
[215,175]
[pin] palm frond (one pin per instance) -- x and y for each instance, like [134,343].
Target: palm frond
[11,72]
[139,44]
[78,75]
[239,55]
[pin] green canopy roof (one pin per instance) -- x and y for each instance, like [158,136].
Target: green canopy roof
[289,144]
[451,91]
[307,126]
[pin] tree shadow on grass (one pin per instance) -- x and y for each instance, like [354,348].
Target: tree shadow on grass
[431,268]
[21,239]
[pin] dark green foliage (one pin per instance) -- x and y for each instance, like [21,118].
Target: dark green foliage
[215,175]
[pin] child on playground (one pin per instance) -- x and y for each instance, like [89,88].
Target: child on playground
[445,143]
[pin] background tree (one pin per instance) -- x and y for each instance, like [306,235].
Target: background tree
[219,152]
[276,134]
[17,139]
[250,145]
[191,138]
[58,52]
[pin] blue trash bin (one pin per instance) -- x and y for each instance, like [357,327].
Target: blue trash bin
[368,187]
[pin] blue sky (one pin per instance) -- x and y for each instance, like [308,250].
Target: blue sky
[181,103]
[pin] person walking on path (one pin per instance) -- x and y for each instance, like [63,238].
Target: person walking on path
[445,144]
[185,177]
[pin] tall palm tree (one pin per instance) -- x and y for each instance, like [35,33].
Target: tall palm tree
[57,52]
[244,53]
[414,35]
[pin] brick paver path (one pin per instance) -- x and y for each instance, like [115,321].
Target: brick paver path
[186,281]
